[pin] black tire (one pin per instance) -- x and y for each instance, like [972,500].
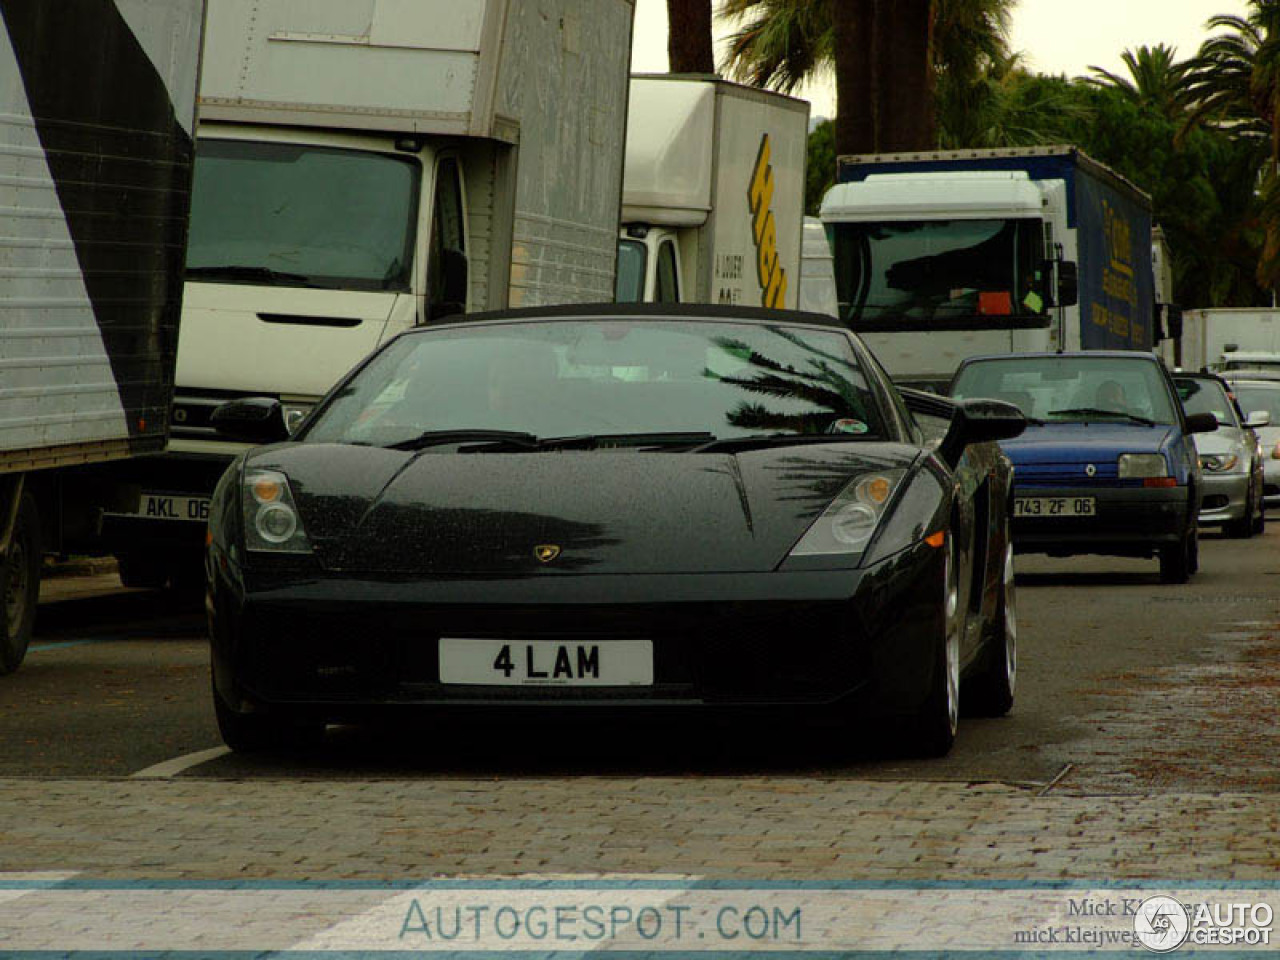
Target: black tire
[989,693]
[1260,521]
[1246,526]
[1180,560]
[20,586]
[142,571]
[932,730]
[262,732]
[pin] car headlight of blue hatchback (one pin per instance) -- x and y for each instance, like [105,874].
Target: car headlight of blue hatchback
[1140,466]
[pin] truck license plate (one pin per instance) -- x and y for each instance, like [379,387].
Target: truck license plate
[161,506]
[1055,507]
[515,663]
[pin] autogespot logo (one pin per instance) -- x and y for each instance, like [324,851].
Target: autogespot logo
[1161,924]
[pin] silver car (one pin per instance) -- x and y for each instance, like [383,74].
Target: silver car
[1263,395]
[1231,459]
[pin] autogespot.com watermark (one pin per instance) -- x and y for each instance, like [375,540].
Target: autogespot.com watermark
[567,923]
[1159,923]
[554,916]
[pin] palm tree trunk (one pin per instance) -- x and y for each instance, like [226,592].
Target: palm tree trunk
[856,76]
[689,48]
[907,109]
[884,76]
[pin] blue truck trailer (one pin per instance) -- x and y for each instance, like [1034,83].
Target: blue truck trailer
[945,255]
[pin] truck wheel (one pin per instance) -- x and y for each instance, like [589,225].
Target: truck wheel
[20,587]
[142,572]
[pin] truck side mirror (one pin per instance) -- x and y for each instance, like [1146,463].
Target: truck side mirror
[1068,284]
[251,420]
[453,286]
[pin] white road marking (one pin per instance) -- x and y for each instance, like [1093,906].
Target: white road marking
[171,768]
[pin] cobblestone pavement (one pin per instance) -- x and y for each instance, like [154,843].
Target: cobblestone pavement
[783,828]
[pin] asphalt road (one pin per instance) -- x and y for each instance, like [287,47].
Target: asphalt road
[1125,686]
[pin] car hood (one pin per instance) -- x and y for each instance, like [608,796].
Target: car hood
[608,511]
[1054,452]
[1222,440]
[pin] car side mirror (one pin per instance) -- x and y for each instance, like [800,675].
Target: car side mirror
[1258,418]
[1202,423]
[1068,284]
[251,420]
[980,421]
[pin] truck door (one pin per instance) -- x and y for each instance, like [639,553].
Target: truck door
[447,253]
[667,288]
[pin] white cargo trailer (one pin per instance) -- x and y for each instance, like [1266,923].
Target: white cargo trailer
[713,193]
[1229,338]
[95,171]
[364,166]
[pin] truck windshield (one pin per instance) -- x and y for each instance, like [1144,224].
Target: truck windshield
[281,214]
[939,269]
[633,257]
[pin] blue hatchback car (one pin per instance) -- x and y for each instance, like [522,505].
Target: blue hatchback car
[1107,464]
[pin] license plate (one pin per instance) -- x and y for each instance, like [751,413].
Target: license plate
[546,663]
[159,506]
[1055,507]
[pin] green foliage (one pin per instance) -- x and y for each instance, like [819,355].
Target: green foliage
[820,172]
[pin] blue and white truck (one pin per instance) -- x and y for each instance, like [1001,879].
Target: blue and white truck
[945,255]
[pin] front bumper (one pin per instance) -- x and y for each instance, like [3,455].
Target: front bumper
[333,648]
[1271,482]
[1130,521]
[1226,497]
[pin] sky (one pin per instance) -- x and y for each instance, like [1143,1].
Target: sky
[1054,36]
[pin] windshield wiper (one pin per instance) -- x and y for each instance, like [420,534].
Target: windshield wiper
[774,439]
[590,441]
[246,274]
[434,438]
[1098,412]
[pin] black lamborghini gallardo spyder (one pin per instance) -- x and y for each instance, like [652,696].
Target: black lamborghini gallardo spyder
[614,507]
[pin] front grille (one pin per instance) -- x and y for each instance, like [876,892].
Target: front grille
[1073,474]
[803,653]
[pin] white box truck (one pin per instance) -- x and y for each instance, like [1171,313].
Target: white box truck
[1227,339]
[364,166]
[713,193]
[97,108]
[948,254]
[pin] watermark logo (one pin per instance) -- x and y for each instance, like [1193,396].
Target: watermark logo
[1161,924]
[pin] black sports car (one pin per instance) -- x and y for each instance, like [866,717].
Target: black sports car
[614,506]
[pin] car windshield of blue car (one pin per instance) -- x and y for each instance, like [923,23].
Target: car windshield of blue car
[1206,396]
[1072,388]
[658,382]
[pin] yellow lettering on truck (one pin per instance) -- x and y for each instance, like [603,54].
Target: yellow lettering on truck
[764,227]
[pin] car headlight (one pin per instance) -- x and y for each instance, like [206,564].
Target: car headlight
[1219,462]
[294,414]
[271,521]
[847,525]
[1134,466]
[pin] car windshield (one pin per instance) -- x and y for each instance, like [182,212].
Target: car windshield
[279,214]
[606,377]
[1206,396]
[1072,388]
[1259,396]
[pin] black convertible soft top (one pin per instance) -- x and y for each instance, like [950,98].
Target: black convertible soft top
[656,311]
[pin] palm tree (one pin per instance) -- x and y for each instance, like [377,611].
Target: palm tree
[903,57]
[1157,80]
[689,42]
[1234,85]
